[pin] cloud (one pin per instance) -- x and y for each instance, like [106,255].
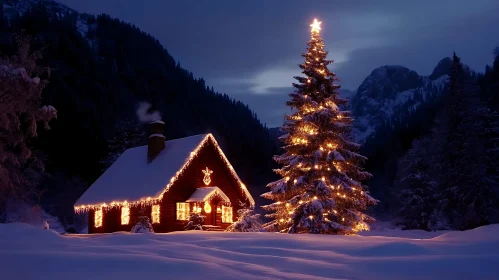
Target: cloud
[358,31]
[269,108]
[248,49]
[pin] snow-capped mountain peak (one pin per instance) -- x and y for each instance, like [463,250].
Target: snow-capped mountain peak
[22,6]
[14,8]
[387,89]
[441,69]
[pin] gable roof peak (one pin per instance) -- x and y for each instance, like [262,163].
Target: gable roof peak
[131,178]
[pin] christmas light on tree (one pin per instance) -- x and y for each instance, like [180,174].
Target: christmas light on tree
[320,189]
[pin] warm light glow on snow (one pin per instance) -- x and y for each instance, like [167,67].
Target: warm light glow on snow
[361,227]
[385,253]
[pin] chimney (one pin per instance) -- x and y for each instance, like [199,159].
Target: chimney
[156,141]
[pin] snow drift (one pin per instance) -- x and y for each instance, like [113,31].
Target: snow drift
[31,253]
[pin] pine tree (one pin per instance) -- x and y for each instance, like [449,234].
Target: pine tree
[451,118]
[320,191]
[418,194]
[129,134]
[21,84]
[247,221]
[475,188]
[464,154]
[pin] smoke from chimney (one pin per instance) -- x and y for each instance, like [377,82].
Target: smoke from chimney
[145,116]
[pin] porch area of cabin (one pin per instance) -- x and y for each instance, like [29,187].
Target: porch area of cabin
[210,202]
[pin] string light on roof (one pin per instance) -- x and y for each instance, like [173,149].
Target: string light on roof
[151,201]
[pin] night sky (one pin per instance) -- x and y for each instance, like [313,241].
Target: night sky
[250,49]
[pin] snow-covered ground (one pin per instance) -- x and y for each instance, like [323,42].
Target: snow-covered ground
[31,253]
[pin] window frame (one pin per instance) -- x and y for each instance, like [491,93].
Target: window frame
[225,210]
[158,207]
[182,214]
[100,219]
[127,219]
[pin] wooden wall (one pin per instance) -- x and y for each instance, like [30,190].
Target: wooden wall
[111,221]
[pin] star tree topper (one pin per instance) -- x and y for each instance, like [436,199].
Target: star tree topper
[316,26]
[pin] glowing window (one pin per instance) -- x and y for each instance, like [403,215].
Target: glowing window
[226,214]
[183,211]
[125,215]
[98,218]
[155,214]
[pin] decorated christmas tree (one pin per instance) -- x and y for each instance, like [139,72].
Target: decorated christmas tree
[320,190]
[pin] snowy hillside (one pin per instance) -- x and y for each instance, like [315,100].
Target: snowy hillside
[22,6]
[35,216]
[18,7]
[390,87]
[471,254]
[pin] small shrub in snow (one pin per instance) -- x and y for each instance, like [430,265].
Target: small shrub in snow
[20,212]
[143,226]
[195,222]
[247,221]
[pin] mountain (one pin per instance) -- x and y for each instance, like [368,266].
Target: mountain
[347,93]
[19,7]
[101,69]
[387,89]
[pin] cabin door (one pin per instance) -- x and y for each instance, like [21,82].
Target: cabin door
[211,218]
[213,214]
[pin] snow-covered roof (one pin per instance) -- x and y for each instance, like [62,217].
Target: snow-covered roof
[132,179]
[157,135]
[205,193]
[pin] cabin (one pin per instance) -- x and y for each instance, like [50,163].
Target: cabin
[166,181]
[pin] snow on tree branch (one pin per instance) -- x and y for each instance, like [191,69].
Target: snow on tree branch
[320,189]
[21,89]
